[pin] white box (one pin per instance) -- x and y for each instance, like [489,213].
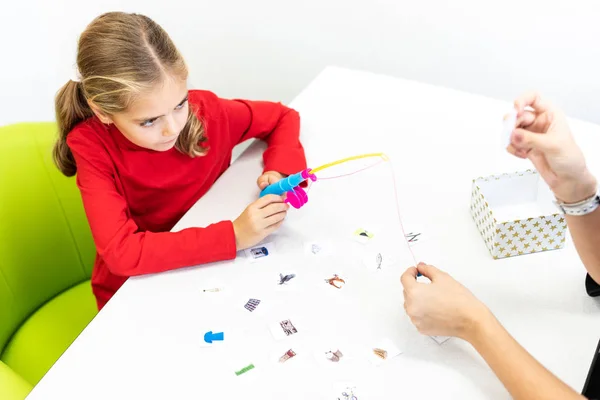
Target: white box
[516,214]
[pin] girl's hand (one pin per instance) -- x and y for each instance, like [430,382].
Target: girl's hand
[269,178]
[443,307]
[543,136]
[259,220]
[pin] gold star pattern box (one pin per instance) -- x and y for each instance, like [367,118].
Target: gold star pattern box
[516,214]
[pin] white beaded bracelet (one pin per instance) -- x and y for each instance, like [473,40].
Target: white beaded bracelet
[582,207]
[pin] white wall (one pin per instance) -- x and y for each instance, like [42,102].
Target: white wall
[271,49]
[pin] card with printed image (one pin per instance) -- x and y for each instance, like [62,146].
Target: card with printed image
[288,280]
[333,353]
[345,391]
[213,336]
[286,354]
[260,252]
[379,259]
[440,339]
[251,305]
[363,236]
[285,328]
[214,289]
[319,248]
[381,351]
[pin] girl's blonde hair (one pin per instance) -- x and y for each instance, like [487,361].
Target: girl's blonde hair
[119,56]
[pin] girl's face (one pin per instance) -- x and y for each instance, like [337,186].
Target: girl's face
[155,119]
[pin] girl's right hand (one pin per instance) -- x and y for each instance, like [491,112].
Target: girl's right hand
[259,220]
[543,136]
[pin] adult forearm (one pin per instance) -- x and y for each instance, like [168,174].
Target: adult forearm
[522,375]
[585,231]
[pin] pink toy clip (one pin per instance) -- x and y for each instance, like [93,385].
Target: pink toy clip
[298,197]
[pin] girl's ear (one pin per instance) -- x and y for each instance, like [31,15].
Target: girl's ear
[104,118]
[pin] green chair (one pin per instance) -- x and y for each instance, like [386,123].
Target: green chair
[46,257]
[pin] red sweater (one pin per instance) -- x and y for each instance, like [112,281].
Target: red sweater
[134,196]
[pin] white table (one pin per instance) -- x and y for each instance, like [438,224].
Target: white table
[146,341]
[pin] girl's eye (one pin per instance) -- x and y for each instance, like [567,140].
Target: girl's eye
[148,123]
[180,105]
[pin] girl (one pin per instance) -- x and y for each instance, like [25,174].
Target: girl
[145,149]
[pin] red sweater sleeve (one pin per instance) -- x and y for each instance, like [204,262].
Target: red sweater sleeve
[126,250]
[274,123]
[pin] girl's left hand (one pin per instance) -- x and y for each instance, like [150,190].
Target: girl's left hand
[269,178]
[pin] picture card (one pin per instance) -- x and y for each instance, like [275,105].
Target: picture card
[345,391]
[363,236]
[318,248]
[251,304]
[334,352]
[440,339]
[286,355]
[209,337]
[413,237]
[284,328]
[379,259]
[334,281]
[287,280]
[246,369]
[382,351]
[214,288]
[220,334]
[260,252]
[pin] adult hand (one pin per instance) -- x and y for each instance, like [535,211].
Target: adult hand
[542,135]
[442,307]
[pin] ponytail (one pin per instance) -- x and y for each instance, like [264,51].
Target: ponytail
[71,108]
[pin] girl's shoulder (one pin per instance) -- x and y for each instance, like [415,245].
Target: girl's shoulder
[89,137]
[206,104]
[89,130]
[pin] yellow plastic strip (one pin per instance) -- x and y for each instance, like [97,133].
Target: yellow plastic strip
[331,164]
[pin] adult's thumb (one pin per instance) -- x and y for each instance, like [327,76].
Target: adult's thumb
[409,278]
[524,139]
[429,271]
